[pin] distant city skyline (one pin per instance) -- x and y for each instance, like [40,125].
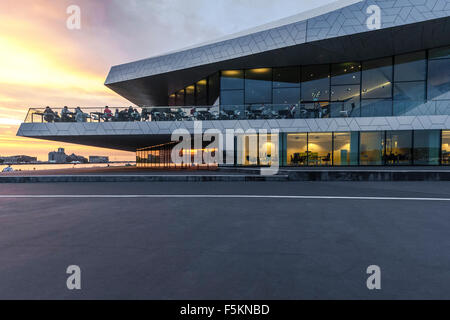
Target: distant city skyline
[70,66]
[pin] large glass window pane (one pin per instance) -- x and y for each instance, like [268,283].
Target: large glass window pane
[398,148]
[426,147]
[320,149]
[376,107]
[316,83]
[232,97]
[213,89]
[439,79]
[446,147]
[232,79]
[346,73]
[201,93]
[286,96]
[247,149]
[410,67]
[440,53]
[377,79]
[258,85]
[408,96]
[288,77]
[297,149]
[172,99]
[179,99]
[345,148]
[268,149]
[346,101]
[371,148]
[190,96]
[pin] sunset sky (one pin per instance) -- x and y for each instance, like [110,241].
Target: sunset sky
[42,62]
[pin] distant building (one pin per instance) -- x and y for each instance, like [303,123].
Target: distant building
[98,159]
[75,158]
[57,156]
[18,159]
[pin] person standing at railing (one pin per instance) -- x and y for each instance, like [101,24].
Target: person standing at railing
[107,114]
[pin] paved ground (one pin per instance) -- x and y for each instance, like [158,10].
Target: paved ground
[225,248]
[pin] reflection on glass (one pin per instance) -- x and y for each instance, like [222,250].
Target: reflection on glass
[316,83]
[439,79]
[346,73]
[232,79]
[377,79]
[426,147]
[189,98]
[410,67]
[179,99]
[286,96]
[258,85]
[288,77]
[297,149]
[213,89]
[398,147]
[348,98]
[440,53]
[446,147]
[371,148]
[201,93]
[408,97]
[376,107]
[314,110]
[172,99]
[320,149]
[345,148]
[232,97]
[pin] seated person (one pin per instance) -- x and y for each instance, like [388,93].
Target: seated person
[66,115]
[80,116]
[49,115]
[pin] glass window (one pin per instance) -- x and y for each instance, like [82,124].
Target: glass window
[316,83]
[439,79]
[286,96]
[398,147]
[426,147]
[320,149]
[189,96]
[247,149]
[377,79]
[201,93]
[446,147]
[347,101]
[213,88]
[258,85]
[297,149]
[232,79]
[179,99]
[410,67]
[232,97]
[345,148]
[408,96]
[371,148]
[346,73]
[376,108]
[440,53]
[172,99]
[288,77]
[267,144]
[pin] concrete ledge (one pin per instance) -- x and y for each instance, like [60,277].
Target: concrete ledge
[138,178]
[368,175]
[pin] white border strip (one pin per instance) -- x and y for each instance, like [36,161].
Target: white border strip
[210,196]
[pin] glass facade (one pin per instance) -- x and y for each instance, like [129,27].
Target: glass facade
[407,84]
[392,148]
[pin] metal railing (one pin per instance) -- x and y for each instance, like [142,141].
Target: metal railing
[241,112]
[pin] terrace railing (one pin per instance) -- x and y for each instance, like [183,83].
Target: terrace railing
[242,112]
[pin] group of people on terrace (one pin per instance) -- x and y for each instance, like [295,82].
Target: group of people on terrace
[78,115]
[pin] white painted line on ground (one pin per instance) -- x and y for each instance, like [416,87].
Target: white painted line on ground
[211,196]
